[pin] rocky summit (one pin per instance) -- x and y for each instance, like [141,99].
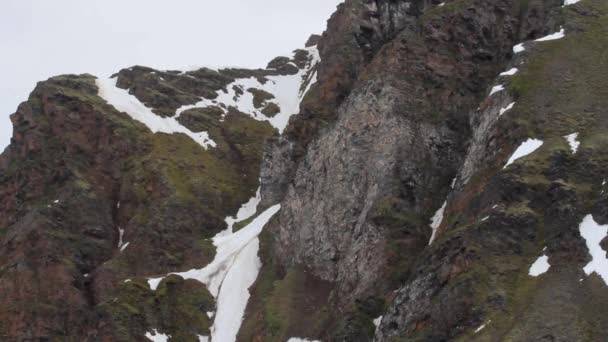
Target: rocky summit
[425,170]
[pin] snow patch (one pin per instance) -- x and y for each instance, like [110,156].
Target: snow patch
[436,221]
[154,282]
[593,234]
[519,48]
[286,89]
[573,142]
[485,218]
[570,2]
[526,148]
[540,266]
[496,89]
[297,339]
[127,103]
[122,249]
[157,337]
[121,234]
[506,109]
[509,72]
[554,36]
[377,321]
[453,184]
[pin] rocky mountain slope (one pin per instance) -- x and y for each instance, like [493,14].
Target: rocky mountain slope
[444,179]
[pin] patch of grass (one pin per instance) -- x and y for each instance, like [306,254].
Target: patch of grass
[240,225]
[260,97]
[358,325]
[405,237]
[284,304]
[271,110]
[177,308]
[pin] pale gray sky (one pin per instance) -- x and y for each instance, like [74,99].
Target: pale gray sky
[42,38]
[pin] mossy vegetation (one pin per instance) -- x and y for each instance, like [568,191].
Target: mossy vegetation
[358,325]
[177,308]
[407,232]
[271,110]
[284,303]
[559,90]
[165,92]
[240,225]
[201,119]
[260,97]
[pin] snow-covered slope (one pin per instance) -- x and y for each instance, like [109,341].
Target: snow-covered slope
[282,90]
[234,269]
[288,92]
[127,103]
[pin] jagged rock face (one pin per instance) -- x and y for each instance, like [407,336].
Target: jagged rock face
[383,20]
[370,174]
[501,220]
[341,60]
[400,133]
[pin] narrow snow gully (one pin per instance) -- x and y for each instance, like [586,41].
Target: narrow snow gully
[233,270]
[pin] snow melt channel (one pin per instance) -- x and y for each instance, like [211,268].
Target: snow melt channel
[127,103]
[233,270]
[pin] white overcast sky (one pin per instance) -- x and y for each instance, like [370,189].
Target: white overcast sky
[42,38]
